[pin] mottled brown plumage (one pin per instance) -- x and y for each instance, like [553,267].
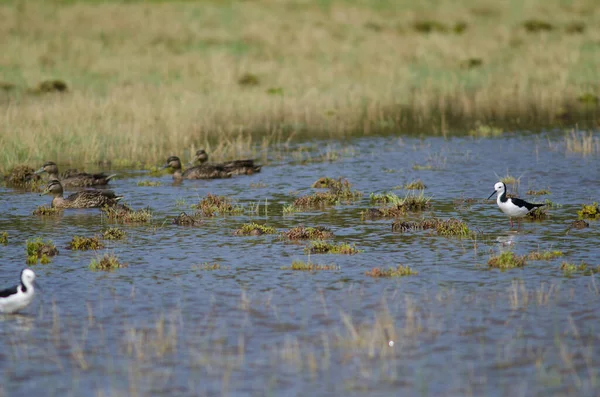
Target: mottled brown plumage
[73,178]
[81,199]
[235,167]
[198,172]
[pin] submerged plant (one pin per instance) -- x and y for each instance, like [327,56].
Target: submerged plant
[254,229]
[447,227]
[113,233]
[207,266]
[326,183]
[107,262]
[309,266]
[46,211]
[417,184]
[85,243]
[339,190]
[506,260]
[124,214]
[543,255]
[184,219]
[397,206]
[485,131]
[4,238]
[540,192]
[149,183]
[213,205]
[307,233]
[290,209]
[40,249]
[589,211]
[570,268]
[323,247]
[24,176]
[399,271]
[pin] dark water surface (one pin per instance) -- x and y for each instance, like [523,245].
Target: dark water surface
[165,326]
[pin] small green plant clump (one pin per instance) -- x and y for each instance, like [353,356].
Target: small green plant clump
[544,255]
[254,229]
[46,211]
[124,214]
[113,233]
[540,192]
[184,219]
[538,213]
[24,176]
[448,227]
[481,130]
[213,205]
[578,224]
[417,184]
[149,183]
[85,243]
[107,262]
[589,211]
[310,267]
[316,200]
[397,206]
[339,190]
[4,238]
[207,266]
[399,271]
[323,247]
[570,268]
[506,260]
[307,233]
[38,249]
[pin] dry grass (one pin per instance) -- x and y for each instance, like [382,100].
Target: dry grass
[279,69]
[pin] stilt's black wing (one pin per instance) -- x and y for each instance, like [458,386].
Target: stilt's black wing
[522,203]
[8,292]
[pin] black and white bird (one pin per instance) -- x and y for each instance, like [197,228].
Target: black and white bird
[513,207]
[20,296]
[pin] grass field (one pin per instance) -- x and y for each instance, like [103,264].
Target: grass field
[150,79]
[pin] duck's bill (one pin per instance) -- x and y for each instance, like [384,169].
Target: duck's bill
[164,166]
[46,191]
[39,171]
[491,195]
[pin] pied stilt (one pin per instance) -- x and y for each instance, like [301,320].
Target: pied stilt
[18,297]
[513,207]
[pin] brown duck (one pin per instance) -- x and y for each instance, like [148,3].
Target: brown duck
[236,167]
[198,172]
[81,199]
[72,178]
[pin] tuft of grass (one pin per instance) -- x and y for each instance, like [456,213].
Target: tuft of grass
[589,211]
[417,184]
[543,255]
[289,209]
[213,205]
[485,131]
[309,266]
[4,238]
[40,249]
[397,206]
[316,200]
[400,271]
[448,227]
[85,243]
[254,229]
[540,213]
[24,177]
[339,190]
[184,219]
[582,143]
[420,167]
[429,26]
[588,98]
[326,182]
[124,214]
[471,63]
[307,233]
[113,233]
[106,262]
[46,211]
[578,224]
[323,247]
[537,25]
[149,183]
[248,79]
[569,268]
[540,192]
[507,260]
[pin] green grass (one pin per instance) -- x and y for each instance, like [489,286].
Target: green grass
[42,210]
[324,247]
[589,211]
[124,214]
[149,183]
[448,227]
[254,229]
[396,206]
[38,249]
[307,233]
[507,260]
[543,255]
[3,238]
[113,233]
[213,205]
[106,262]
[85,243]
[400,271]
[309,266]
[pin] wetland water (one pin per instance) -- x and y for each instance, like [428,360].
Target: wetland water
[166,326]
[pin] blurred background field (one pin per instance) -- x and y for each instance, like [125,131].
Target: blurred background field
[89,81]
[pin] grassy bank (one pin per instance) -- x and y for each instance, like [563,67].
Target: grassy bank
[150,79]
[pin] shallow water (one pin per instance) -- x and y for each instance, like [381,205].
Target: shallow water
[165,326]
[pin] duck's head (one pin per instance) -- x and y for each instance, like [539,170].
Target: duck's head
[201,156]
[49,167]
[499,188]
[54,187]
[173,162]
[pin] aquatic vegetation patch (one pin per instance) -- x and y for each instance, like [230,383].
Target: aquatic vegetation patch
[507,260]
[544,255]
[589,211]
[85,243]
[289,209]
[539,213]
[113,233]
[582,143]
[399,271]
[446,227]
[206,266]
[38,249]
[421,167]
[417,184]
[106,262]
[213,205]
[569,268]
[398,206]
[578,224]
[23,176]
[254,229]
[540,192]
[183,219]
[43,210]
[323,247]
[481,130]
[148,183]
[307,233]
[309,266]
[316,200]
[3,238]
[124,214]
[325,183]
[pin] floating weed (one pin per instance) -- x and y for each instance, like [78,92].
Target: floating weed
[485,131]
[4,238]
[310,267]
[420,167]
[448,227]
[124,214]
[417,184]
[398,206]
[323,247]
[24,176]
[85,243]
[254,229]
[580,142]
[316,200]
[569,268]
[107,262]
[40,249]
[213,205]
[326,183]
[543,255]
[385,198]
[207,266]
[46,211]
[289,209]
[149,183]
[399,271]
[540,192]
[539,213]
[184,219]
[258,185]
[578,224]
[506,260]
[113,233]
[307,233]
[589,211]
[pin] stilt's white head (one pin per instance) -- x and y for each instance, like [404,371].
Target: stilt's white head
[498,188]
[27,277]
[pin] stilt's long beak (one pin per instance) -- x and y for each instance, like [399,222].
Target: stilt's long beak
[491,195]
